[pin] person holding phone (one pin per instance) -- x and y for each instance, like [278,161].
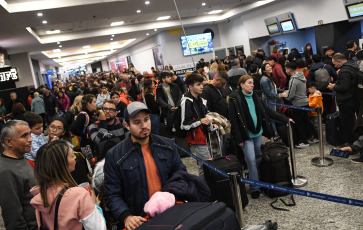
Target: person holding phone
[354,149]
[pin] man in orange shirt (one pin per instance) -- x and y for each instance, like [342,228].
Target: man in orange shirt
[137,167]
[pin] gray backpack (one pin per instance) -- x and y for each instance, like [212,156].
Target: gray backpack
[322,78]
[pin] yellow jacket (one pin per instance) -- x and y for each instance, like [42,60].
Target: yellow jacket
[315,100]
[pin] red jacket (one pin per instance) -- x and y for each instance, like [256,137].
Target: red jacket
[279,76]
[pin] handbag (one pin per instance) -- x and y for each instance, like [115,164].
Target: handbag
[42,227]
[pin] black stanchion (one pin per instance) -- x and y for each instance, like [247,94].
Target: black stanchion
[236,194]
[321,161]
[297,181]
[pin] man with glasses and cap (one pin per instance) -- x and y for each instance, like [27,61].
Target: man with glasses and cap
[137,167]
[108,125]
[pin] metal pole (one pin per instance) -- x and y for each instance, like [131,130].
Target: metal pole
[321,161]
[237,200]
[297,181]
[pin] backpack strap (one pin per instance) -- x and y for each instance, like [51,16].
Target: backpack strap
[119,121]
[87,121]
[57,207]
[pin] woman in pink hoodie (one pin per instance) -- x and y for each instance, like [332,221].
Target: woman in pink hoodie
[64,101]
[53,166]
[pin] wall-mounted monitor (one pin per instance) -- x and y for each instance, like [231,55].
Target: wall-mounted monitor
[287,23]
[287,26]
[197,44]
[273,28]
[354,10]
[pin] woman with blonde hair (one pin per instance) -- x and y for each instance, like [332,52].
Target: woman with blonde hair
[213,70]
[58,201]
[77,105]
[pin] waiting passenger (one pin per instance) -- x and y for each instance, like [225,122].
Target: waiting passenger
[278,73]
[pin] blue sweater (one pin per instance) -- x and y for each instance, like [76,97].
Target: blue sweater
[252,108]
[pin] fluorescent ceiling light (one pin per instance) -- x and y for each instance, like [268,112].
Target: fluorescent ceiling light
[147,2]
[215,11]
[117,23]
[86,47]
[44,22]
[39,14]
[57,51]
[163,18]
[138,11]
[52,31]
[203,4]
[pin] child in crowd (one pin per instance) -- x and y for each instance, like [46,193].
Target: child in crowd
[315,101]
[35,122]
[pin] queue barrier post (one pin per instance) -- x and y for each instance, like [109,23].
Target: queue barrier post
[237,200]
[321,161]
[297,181]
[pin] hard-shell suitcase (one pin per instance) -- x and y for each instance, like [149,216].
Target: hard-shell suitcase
[334,134]
[219,185]
[194,216]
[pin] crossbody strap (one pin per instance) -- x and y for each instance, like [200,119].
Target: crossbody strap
[57,207]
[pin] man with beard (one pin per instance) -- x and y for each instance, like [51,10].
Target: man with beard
[108,125]
[137,167]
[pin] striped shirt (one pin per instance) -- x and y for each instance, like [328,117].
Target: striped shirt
[100,131]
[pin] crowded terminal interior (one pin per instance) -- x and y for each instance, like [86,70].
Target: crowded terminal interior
[181,114]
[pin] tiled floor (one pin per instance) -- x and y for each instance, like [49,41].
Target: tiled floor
[343,178]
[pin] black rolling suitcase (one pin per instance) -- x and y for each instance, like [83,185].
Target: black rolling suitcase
[219,185]
[334,134]
[193,216]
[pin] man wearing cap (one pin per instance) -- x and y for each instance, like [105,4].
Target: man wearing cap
[137,167]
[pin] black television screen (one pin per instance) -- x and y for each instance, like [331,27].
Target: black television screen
[273,28]
[355,10]
[287,26]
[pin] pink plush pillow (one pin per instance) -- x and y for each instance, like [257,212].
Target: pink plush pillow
[159,202]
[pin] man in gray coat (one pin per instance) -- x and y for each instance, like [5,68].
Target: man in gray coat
[16,177]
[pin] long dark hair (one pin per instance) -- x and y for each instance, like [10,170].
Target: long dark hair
[88,98]
[51,168]
[147,87]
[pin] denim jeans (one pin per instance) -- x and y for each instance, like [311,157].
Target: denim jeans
[253,156]
[155,123]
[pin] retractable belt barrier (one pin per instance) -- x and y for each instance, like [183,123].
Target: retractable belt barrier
[326,93]
[292,107]
[316,195]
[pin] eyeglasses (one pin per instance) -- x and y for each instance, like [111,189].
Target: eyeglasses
[109,109]
[53,127]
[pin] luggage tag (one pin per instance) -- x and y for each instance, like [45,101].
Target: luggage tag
[339,153]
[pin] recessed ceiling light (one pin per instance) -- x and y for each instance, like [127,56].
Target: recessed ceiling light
[59,57]
[86,47]
[117,23]
[113,43]
[86,53]
[215,11]
[58,43]
[138,11]
[147,2]
[112,35]
[57,51]
[40,14]
[147,34]
[155,29]
[203,4]
[111,39]
[44,22]
[60,46]
[163,18]
[52,31]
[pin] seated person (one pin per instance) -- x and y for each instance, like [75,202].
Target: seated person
[356,148]
[137,167]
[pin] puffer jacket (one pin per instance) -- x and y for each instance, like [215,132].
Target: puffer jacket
[125,187]
[346,82]
[315,100]
[238,120]
[297,90]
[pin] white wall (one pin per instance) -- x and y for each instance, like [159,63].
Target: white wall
[105,66]
[24,66]
[88,69]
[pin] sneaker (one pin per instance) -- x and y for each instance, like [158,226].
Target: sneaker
[301,145]
[313,141]
[255,194]
[357,161]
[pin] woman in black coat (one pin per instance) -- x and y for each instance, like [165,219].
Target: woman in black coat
[249,118]
[134,89]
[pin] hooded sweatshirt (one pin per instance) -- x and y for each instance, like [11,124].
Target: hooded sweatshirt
[297,90]
[75,209]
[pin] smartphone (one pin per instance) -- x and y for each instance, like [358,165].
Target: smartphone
[339,153]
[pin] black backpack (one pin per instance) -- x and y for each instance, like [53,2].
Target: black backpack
[322,78]
[275,169]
